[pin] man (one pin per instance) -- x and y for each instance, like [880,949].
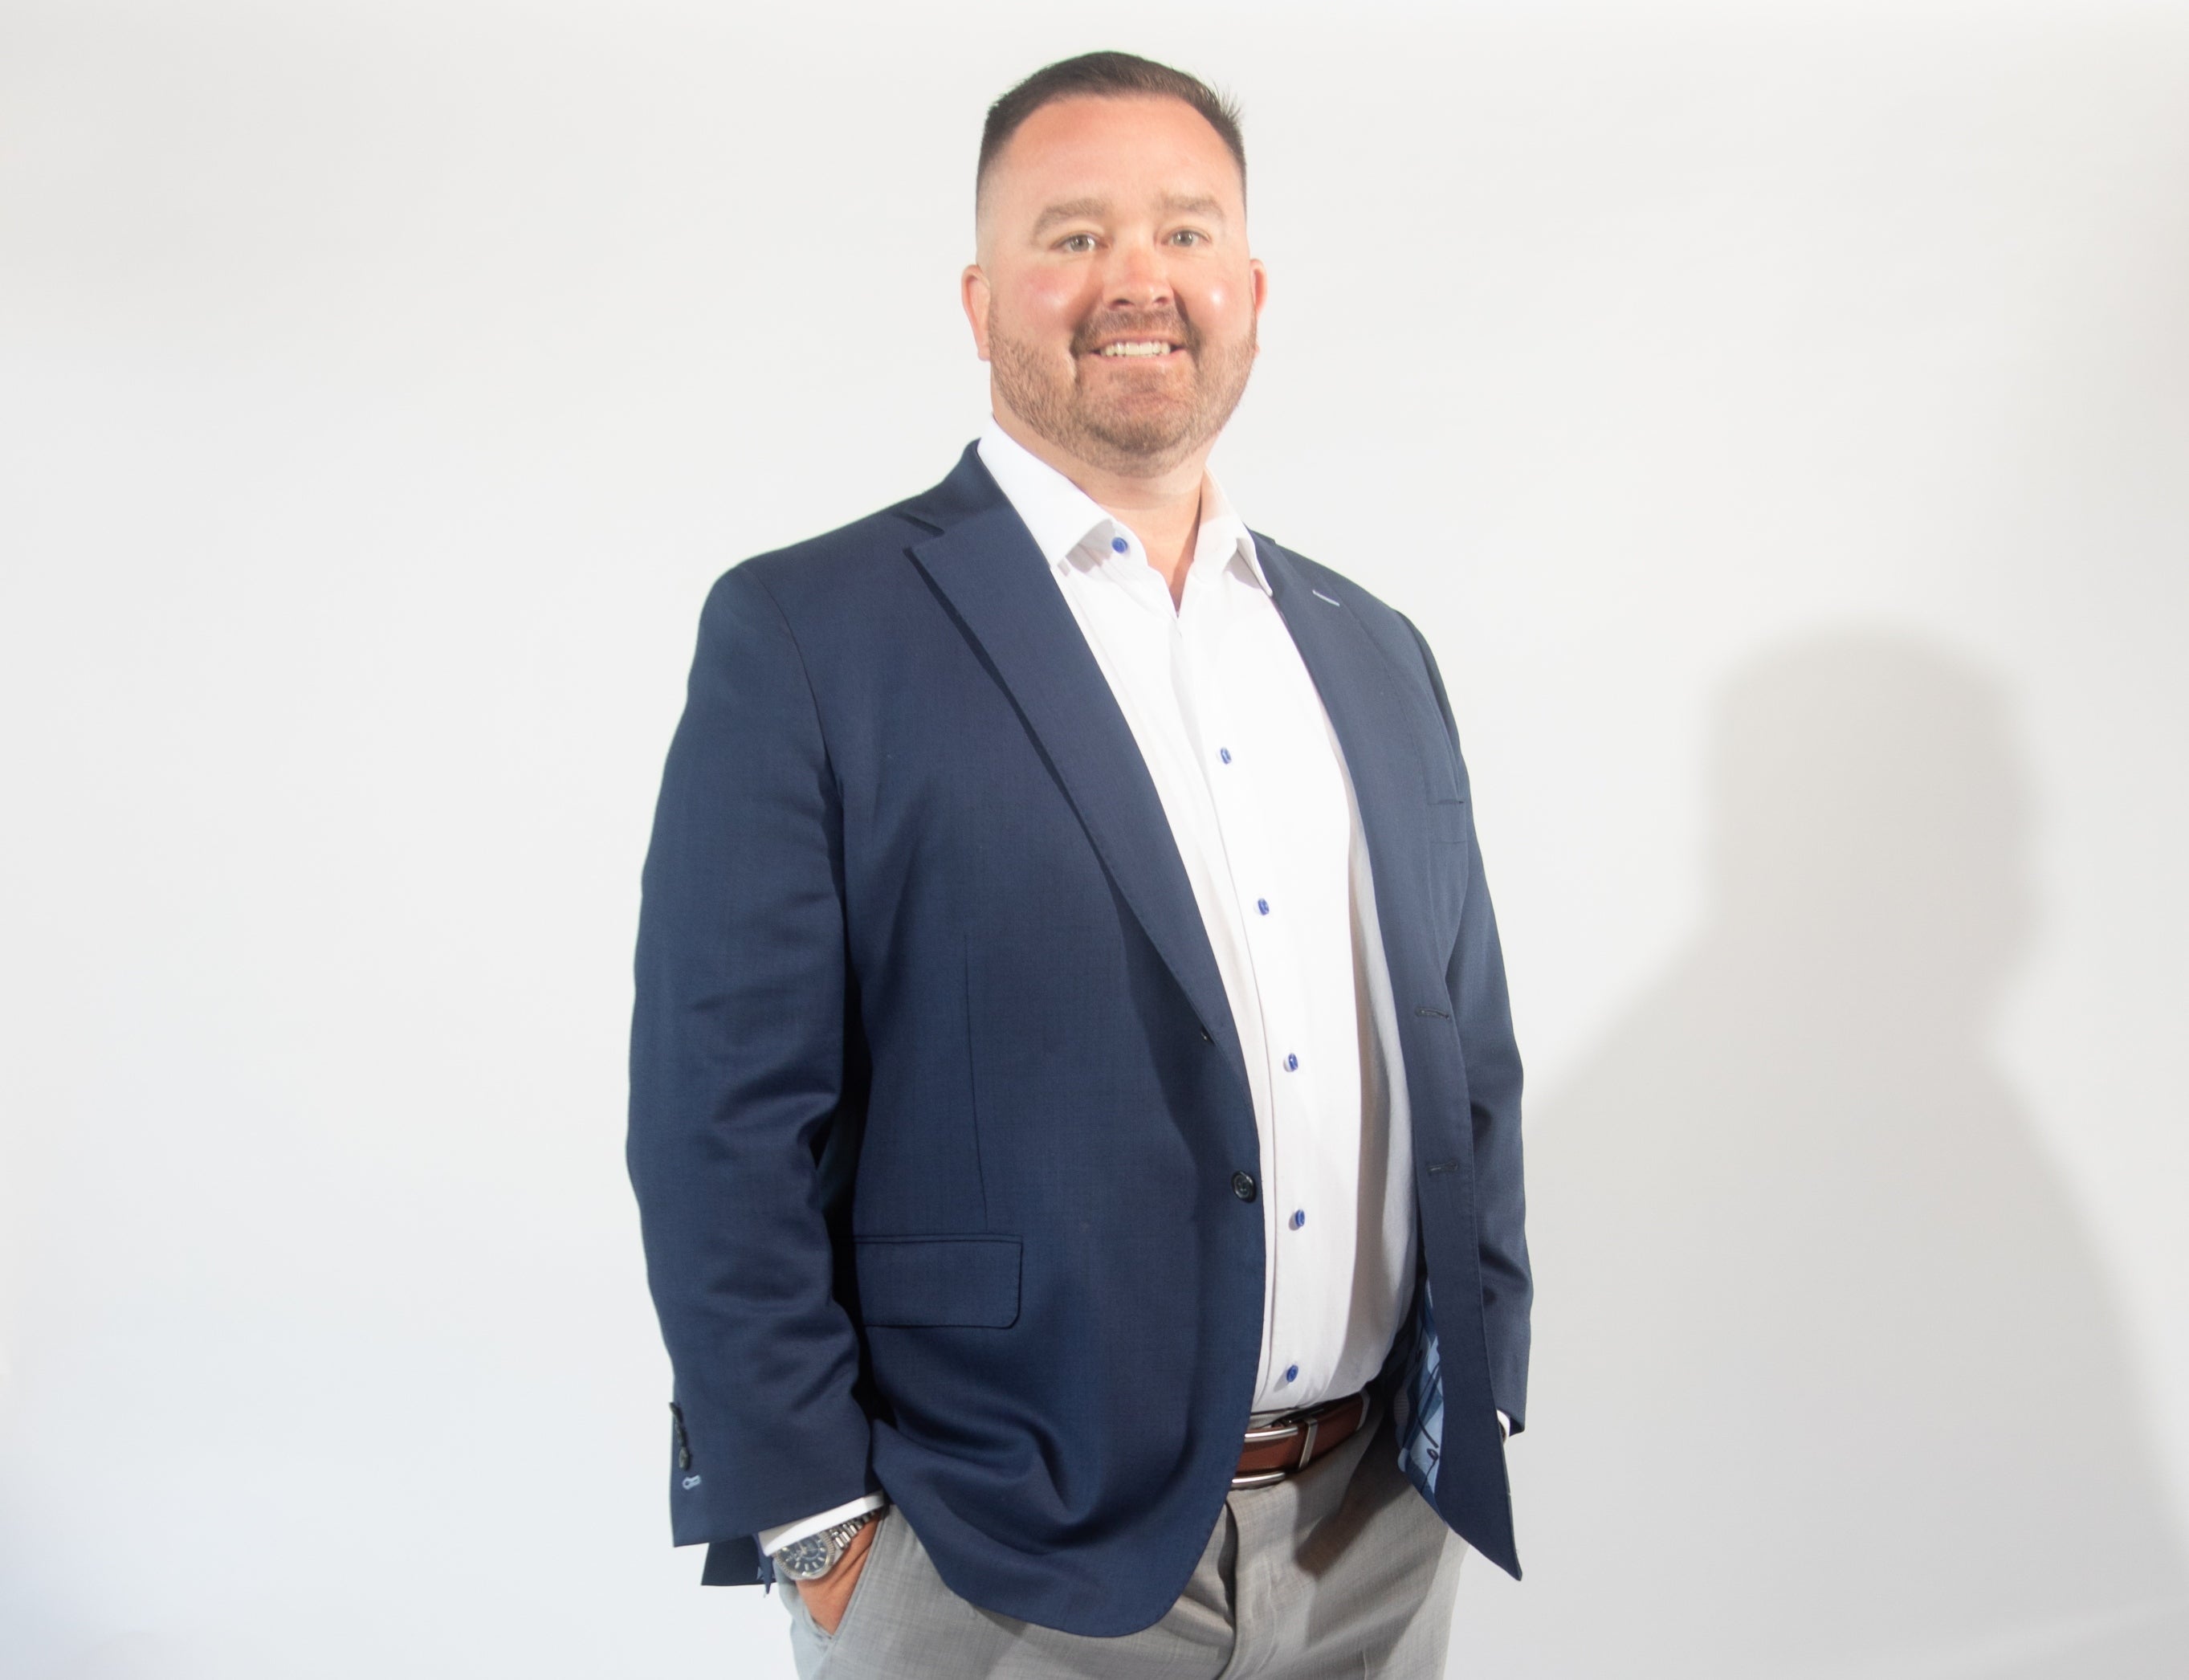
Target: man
[1075,1114]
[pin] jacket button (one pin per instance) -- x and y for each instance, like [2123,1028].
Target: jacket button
[1242,1187]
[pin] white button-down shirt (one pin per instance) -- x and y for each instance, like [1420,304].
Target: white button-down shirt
[1254,788]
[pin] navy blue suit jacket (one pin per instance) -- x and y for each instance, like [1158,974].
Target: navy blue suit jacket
[937,1103]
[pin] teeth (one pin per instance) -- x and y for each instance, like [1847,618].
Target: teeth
[1145,346]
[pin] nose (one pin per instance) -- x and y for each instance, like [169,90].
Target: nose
[1138,276]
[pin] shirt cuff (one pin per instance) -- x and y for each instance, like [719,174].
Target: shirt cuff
[1505,1425]
[772,1540]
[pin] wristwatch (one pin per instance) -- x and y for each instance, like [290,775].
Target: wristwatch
[813,1557]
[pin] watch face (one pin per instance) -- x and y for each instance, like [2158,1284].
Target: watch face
[805,1559]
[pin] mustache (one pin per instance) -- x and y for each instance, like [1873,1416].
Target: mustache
[1110,323]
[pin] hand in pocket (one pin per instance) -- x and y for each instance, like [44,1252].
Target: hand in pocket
[825,1599]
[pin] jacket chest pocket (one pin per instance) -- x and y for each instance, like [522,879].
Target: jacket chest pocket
[1449,863]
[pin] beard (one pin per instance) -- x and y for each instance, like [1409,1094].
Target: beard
[1134,422]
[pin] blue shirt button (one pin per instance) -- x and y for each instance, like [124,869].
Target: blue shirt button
[1291,1062]
[1263,905]
[1224,752]
[1119,545]
[1299,1217]
[1291,1373]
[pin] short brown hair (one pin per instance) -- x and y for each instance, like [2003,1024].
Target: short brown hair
[1106,76]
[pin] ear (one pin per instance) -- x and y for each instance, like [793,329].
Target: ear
[972,292]
[1261,284]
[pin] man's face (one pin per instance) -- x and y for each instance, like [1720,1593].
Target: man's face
[1114,299]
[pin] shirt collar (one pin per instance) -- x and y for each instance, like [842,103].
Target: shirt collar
[1064,519]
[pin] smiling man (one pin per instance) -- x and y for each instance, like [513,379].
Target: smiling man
[1075,1115]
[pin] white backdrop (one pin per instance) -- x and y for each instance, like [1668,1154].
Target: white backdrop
[1777,420]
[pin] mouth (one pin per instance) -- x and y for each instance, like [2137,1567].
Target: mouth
[1137,349]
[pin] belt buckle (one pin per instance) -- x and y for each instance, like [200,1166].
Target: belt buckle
[1283,1429]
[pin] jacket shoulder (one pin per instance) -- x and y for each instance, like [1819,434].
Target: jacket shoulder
[862,561]
[853,557]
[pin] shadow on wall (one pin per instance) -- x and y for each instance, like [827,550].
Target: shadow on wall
[1827,1380]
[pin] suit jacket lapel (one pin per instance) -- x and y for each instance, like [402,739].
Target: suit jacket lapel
[986,567]
[1378,730]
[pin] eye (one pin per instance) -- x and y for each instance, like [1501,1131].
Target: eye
[1077,244]
[1189,236]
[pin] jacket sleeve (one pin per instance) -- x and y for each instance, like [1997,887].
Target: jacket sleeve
[1475,979]
[737,1074]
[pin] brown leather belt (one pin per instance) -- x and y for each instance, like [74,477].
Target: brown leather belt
[1284,1446]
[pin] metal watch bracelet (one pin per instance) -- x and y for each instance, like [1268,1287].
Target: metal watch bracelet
[813,1557]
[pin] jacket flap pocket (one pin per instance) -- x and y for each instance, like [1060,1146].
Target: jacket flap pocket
[1448,821]
[915,1281]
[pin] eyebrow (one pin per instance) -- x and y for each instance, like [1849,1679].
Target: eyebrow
[1070,209]
[1073,209]
[1209,208]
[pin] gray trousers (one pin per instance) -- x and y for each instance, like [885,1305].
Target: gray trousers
[1341,1570]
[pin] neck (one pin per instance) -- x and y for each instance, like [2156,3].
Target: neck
[1161,507]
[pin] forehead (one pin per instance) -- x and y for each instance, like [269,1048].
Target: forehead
[1123,150]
